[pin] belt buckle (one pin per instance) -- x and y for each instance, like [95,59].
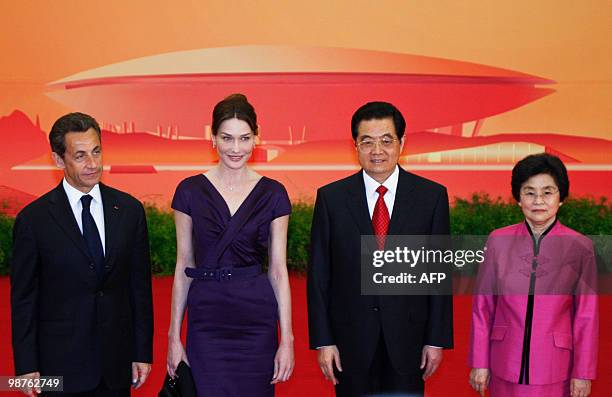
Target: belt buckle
[221,274]
[225,274]
[208,275]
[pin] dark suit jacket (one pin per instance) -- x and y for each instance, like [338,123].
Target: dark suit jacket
[337,312]
[64,321]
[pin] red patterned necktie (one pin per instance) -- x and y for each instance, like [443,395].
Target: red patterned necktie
[380,218]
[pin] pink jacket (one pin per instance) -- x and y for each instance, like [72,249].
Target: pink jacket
[565,323]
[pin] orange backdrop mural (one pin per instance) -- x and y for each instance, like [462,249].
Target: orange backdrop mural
[481,84]
[481,87]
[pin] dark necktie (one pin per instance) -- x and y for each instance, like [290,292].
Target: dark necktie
[92,236]
[380,218]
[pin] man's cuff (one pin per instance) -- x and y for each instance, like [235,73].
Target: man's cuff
[321,347]
[435,347]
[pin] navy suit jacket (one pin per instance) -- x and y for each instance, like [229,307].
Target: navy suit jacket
[337,312]
[65,322]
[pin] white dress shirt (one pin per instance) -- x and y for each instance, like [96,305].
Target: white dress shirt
[372,195]
[96,209]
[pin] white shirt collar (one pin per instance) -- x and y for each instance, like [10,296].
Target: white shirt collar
[74,195]
[390,183]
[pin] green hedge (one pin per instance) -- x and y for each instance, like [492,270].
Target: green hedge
[481,214]
[6,240]
[162,240]
[298,236]
[478,215]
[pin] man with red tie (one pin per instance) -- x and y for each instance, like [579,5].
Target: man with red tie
[369,345]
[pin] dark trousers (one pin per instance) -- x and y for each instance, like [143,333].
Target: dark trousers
[382,380]
[101,391]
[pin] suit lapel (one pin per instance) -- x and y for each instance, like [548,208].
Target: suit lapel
[403,202]
[358,204]
[62,214]
[112,216]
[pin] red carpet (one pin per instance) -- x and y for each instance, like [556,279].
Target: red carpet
[307,381]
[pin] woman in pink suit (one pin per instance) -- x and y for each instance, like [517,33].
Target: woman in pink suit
[535,309]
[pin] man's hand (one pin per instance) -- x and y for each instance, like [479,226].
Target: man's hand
[327,357]
[430,360]
[140,372]
[30,391]
[479,380]
[580,387]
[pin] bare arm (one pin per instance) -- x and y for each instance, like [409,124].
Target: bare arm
[180,288]
[279,279]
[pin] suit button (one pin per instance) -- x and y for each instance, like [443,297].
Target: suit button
[101,293]
[376,308]
[91,266]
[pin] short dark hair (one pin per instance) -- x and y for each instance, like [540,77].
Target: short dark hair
[541,163]
[234,106]
[378,110]
[71,122]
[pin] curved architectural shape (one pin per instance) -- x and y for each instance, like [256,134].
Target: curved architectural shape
[277,60]
[300,92]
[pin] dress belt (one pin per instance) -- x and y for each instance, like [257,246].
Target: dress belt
[224,273]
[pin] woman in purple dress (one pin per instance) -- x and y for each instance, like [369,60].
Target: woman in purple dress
[227,221]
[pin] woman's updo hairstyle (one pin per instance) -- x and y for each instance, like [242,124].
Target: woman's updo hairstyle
[234,106]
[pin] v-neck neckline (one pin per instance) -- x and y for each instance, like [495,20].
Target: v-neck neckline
[229,212]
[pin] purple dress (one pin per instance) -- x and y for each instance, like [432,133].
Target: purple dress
[232,311]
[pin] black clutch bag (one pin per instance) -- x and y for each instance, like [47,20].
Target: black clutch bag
[181,386]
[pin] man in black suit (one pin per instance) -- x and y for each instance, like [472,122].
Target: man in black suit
[374,344]
[81,276]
